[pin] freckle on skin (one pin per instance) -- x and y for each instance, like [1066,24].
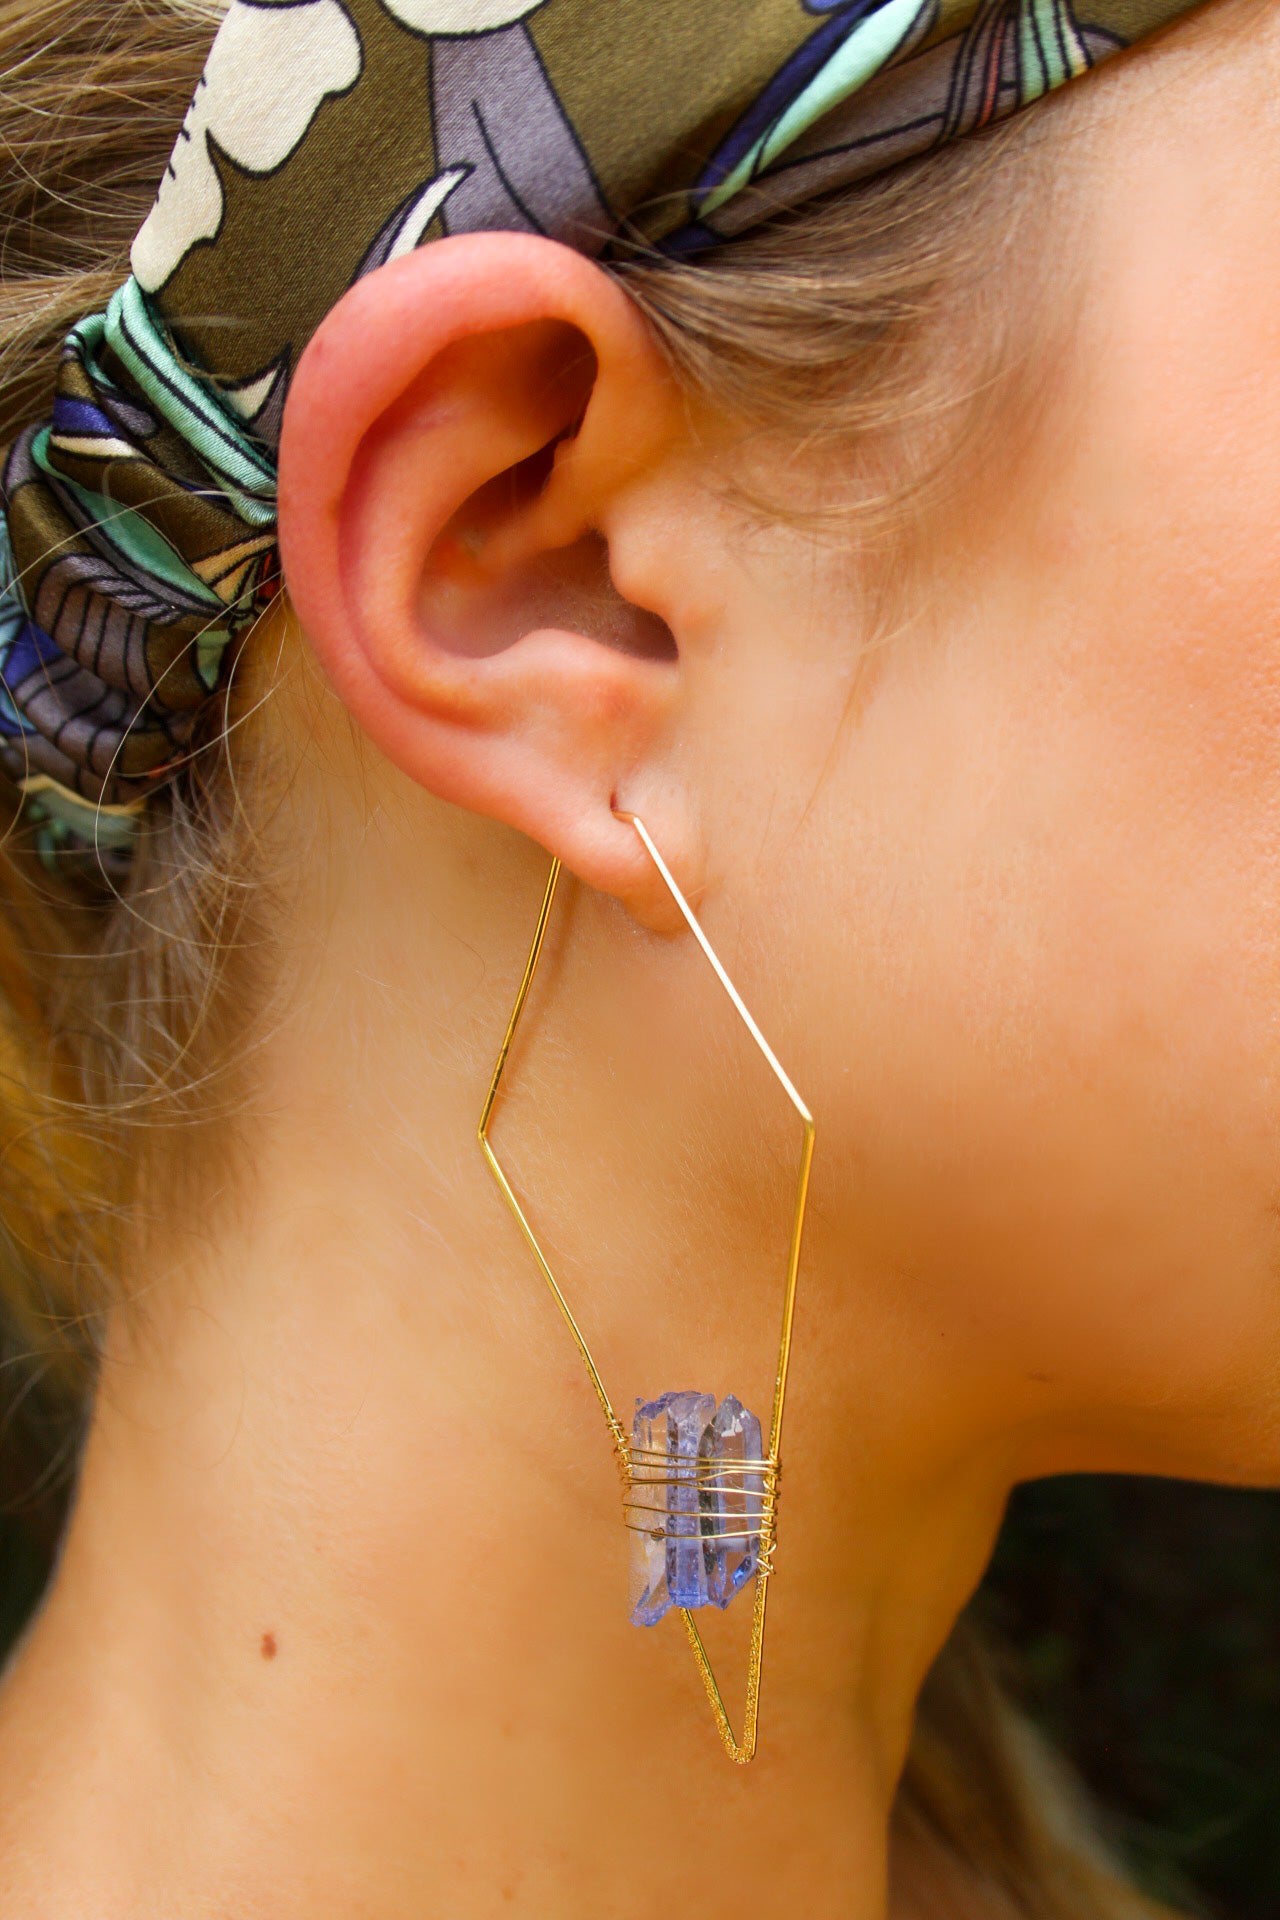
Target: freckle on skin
[268,1646]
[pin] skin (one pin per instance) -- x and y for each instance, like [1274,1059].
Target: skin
[340,1625]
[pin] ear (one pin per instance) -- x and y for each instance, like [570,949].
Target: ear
[461,435]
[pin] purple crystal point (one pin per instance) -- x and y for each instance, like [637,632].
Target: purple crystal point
[695,1504]
[732,1499]
[667,1563]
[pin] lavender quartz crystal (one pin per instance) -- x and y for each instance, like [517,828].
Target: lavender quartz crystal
[703,1544]
[734,1499]
[667,1564]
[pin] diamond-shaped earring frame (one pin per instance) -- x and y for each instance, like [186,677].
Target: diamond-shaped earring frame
[740,1751]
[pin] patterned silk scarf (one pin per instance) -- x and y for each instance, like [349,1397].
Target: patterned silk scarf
[327,137]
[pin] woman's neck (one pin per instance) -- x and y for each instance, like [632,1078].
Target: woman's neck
[340,1624]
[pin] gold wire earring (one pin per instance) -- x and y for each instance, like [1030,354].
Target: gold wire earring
[699,1494]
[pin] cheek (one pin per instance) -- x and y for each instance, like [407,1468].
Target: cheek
[1042,890]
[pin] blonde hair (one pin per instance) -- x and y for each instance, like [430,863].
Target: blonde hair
[123,1017]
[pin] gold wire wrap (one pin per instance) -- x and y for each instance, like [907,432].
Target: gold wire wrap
[634,1463]
[702,1476]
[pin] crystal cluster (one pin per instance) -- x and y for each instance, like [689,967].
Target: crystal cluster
[695,1509]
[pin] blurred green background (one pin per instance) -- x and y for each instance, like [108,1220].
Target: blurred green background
[1145,1615]
[1145,1619]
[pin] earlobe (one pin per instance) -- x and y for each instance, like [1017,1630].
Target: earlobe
[461,427]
